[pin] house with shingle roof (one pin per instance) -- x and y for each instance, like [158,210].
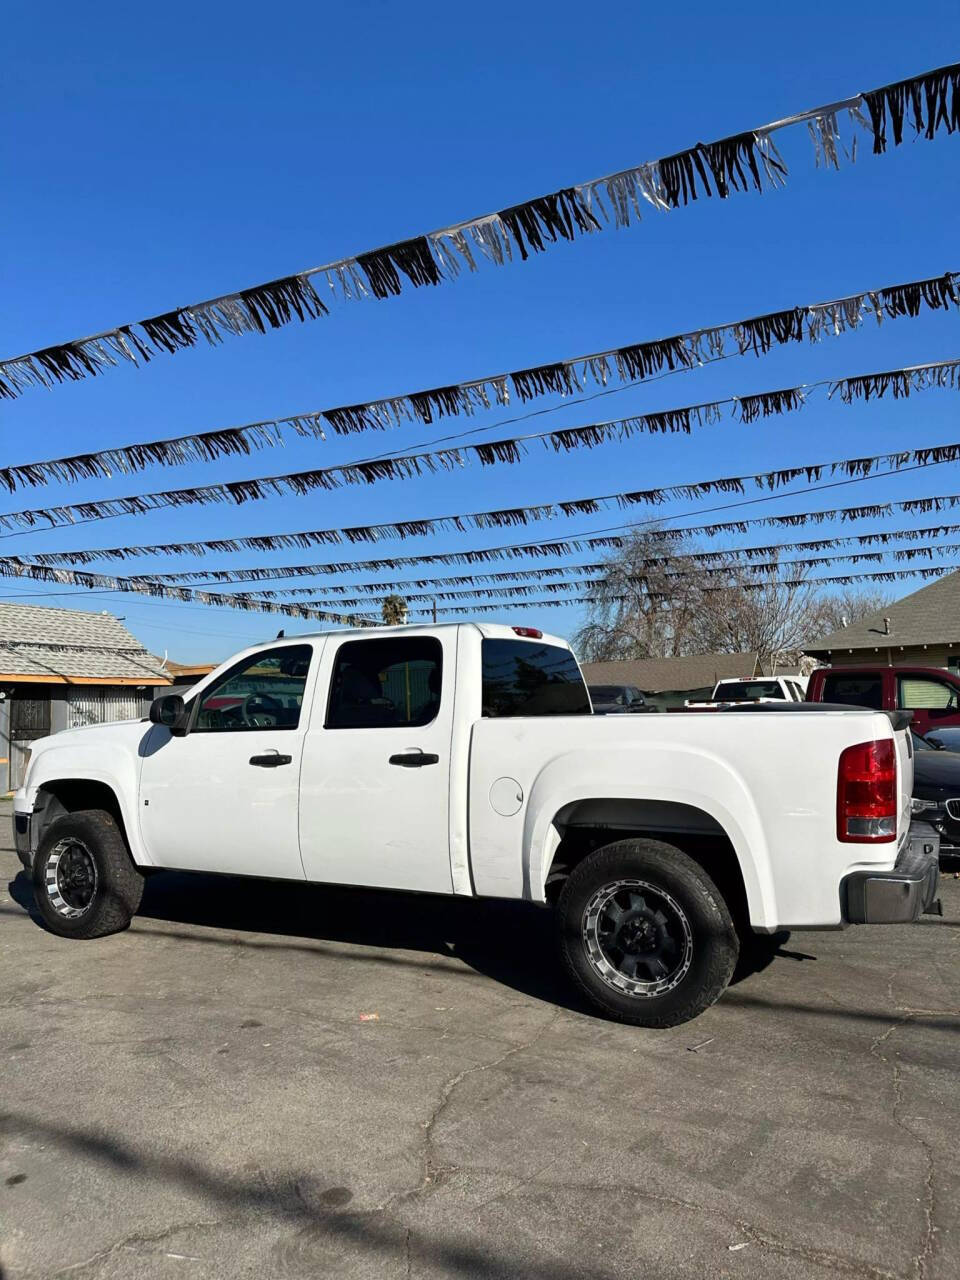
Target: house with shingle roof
[61,668]
[922,629]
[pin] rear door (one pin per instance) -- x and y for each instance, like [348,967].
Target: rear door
[375,784]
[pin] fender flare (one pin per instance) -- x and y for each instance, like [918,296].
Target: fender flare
[125,795]
[706,783]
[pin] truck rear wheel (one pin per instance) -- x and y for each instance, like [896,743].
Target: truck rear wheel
[645,933]
[84,880]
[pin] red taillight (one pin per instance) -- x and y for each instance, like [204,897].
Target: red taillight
[867,793]
[531,633]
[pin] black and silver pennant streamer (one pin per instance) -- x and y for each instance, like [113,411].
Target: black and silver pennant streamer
[231,441]
[741,162]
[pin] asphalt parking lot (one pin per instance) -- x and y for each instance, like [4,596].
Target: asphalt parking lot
[271,1080]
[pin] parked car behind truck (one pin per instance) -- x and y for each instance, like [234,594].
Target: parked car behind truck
[755,689]
[936,790]
[464,760]
[932,694]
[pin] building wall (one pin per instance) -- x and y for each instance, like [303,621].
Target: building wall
[910,655]
[70,706]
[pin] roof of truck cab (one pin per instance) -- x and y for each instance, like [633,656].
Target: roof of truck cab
[872,668]
[489,630]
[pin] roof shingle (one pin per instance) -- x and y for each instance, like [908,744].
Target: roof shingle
[928,616]
[36,640]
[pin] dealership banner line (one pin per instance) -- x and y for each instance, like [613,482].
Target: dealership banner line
[930,102]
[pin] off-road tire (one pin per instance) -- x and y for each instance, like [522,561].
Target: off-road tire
[701,938]
[118,885]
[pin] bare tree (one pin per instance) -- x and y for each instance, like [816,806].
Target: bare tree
[640,609]
[394,610]
[850,605]
[647,606]
[744,613]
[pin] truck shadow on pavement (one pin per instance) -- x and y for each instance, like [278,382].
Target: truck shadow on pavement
[321,1236]
[512,943]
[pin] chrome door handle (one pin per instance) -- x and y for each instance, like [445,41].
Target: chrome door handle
[414,759]
[271,760]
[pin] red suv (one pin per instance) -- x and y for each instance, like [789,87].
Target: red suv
[932,694]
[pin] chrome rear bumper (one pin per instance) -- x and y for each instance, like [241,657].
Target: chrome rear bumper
[901,895]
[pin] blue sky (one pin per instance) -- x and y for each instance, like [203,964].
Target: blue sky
[158,157]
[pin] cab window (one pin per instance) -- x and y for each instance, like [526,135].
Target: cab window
[522,678]
[921,693]
[264,691]
[856,691]
[383,684]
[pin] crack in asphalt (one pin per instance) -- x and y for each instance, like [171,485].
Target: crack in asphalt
[756,1235]
[431,1170]
[137,1237]
[928,1244]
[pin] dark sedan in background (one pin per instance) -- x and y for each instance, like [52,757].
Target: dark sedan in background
[948,737]
[936,789]
[613,699]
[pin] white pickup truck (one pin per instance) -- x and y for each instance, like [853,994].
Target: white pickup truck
[753,689]
[465,760]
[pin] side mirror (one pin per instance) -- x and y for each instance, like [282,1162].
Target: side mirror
[171,713]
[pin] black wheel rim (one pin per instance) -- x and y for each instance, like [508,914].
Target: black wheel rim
[71,878]
[637,938]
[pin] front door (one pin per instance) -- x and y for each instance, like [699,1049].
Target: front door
[224,798]
[933,701]
[374,798]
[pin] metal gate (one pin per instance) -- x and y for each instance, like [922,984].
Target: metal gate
[94,706]
[29,720]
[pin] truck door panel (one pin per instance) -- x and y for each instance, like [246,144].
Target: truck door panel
[375,783]
[225,797]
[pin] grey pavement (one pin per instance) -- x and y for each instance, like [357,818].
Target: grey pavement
[278,1080]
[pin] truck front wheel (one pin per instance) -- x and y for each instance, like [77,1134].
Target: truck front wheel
[84,880]
[645,933]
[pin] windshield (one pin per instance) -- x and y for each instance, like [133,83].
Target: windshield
[748,690]
[920,743]
[606,692]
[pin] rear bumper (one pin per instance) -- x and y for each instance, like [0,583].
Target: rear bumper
[901,895]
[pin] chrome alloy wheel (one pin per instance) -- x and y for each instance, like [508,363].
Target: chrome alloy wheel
[71,878]
[637,937]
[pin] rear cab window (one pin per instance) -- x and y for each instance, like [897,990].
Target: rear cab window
[854,691]
[749,690]
[529,678]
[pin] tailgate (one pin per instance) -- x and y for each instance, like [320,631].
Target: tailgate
[904,744]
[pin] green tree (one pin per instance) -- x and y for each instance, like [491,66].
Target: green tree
[394,610]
